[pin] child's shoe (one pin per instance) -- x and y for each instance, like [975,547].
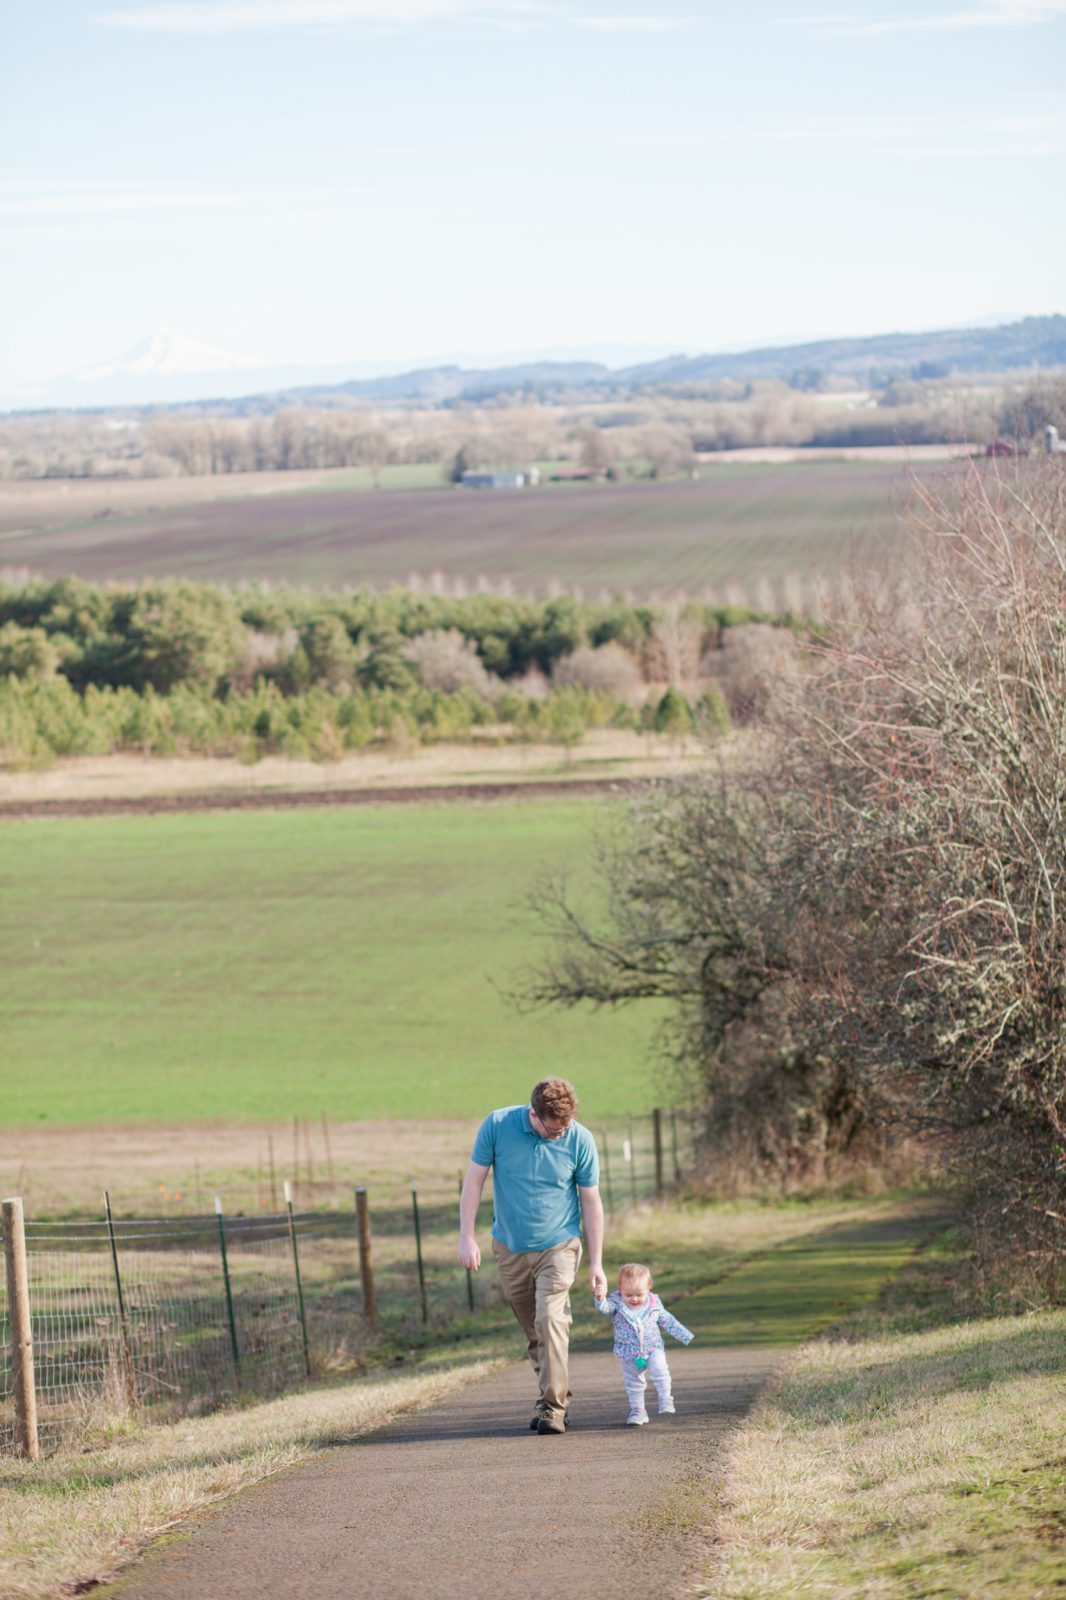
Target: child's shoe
[668,1409]
[636,1419]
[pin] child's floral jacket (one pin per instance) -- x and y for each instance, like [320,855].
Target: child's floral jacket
[631,1340]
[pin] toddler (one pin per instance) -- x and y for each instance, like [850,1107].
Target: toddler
[639,1316]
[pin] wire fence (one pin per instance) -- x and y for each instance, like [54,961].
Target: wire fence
[168,1316]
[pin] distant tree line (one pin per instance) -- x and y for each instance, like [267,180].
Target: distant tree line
[170,666]
[655,435]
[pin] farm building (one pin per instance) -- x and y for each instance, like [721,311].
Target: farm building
[501,480]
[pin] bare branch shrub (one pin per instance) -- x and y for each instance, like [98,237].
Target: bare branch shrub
[533,684]
[672,653]
[447,661]
[607,669]
[931,747]
[263,653]
[753,662]
[863,933]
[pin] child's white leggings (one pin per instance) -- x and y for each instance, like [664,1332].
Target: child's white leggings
[636,1382]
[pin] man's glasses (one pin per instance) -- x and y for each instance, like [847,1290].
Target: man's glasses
[552,1130]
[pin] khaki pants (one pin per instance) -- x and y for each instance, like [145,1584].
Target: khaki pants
[536,1286]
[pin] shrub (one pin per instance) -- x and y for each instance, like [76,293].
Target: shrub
[179,633]
[673,715]
[27,653]
[754,662]
[606,670]
[329,652]
[712,714]
[445,660]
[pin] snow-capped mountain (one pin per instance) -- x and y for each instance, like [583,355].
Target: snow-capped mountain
[169,354]
[165,368]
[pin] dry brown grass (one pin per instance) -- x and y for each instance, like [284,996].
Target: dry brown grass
[47,502]
[161,1170]
[602,753]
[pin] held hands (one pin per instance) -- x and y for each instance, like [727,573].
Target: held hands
[598,1283]
[469,1254]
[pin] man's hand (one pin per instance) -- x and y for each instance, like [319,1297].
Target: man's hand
[473,1183]
[597,1282]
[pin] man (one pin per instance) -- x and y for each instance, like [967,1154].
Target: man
[545,1183]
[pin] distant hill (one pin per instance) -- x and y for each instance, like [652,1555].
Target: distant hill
[1033,342]
[156,377]
[438,385]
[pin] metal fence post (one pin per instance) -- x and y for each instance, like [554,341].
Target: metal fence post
[123,1315]
[630,1155]
[418,1248]
[18,1299]
[607,1172]
[657,1135]
[229,1289]
[299,1282]
[366,1263]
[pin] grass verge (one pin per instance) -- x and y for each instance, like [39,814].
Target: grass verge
[78,1517]
[916,1450]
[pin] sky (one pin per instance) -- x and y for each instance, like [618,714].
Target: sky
[375,180]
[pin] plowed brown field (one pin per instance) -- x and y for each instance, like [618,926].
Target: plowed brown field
[735,525]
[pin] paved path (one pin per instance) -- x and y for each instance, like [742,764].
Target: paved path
[463,1502]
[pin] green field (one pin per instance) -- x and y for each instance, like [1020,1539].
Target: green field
[260,965]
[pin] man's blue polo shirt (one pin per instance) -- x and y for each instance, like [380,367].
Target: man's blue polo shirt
[534,1180]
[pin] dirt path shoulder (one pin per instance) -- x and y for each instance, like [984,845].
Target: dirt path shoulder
[299,799]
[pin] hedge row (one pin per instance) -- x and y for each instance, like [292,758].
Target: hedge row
[40,721]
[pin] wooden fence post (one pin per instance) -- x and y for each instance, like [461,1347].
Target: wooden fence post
[18,1299]
[366,1260]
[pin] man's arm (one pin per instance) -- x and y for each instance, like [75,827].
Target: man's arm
[592,1217]
[469,1200]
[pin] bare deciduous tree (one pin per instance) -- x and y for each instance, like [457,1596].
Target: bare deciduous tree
[447,661]
[673,651]
[607,669]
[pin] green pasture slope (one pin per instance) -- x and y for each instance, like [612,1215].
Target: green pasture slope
[253,966]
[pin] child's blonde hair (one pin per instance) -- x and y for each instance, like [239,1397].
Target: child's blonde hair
[634,1270]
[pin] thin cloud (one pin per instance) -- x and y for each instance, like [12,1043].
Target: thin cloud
[988,14]
[630,24]
[245,16]
[1037,133]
